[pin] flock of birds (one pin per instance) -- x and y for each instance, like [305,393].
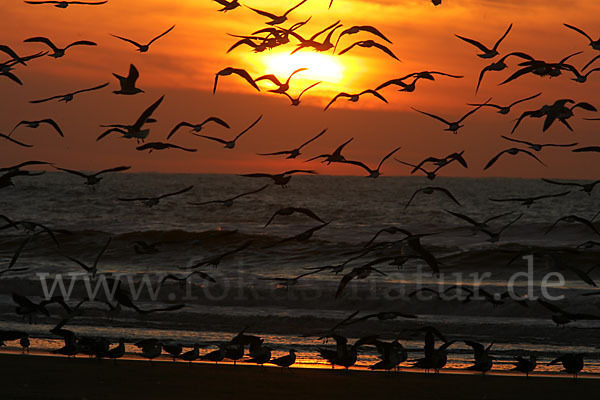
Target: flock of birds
[392,353]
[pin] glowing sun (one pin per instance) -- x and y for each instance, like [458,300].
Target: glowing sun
[321,67]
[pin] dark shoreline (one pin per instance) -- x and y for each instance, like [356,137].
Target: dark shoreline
[35,377]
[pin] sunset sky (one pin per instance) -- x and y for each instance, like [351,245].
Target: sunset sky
[182,66]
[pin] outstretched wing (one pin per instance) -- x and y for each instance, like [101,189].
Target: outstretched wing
[161,35]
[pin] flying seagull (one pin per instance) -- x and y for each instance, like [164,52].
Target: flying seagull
[65,4]
[240,72]
[143,48]
[127,83]
[36,124]
[355,97]
[487,53]
[135,130]
[373,173]
[452,126]
[229,202]
[294,152]
[277,19]
[69,96]
[93,179]
[198,127]
[230,144]
[58,52]
[152,201]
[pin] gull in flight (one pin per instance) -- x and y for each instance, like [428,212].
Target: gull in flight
[500,65]
[562,317]
[277,19]
[228,5]
[513,151]
[452,126]
[127,83]
[143,48]
[183,279]
[595,44]
[478,226]
[216,259]
[198,127]
[65,4]
[281,179]
[287,211]
[92,270]
[312,42]
[572,219]
[369,44]
[58,52]
[585,187]
[431,190]
[291,154]
[229,202]
[355,97]
[506,109]
[336,156]
[153,201]
[238,71]
[301,237]
[487,53]
[230,144]
[295,101]
[7,137]
[36,124]
[69,96]
[162,146]
[135,130]
[283,87]
[536,146]
[93,179]
[528,201]
[494,237]
[362,28]
[14,259]
[373,173]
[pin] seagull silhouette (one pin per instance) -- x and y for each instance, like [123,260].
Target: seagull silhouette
[93,179]
[69,96]
[198,127]
[229,202]
[153,201]
[241,72]
[128,83]
[283,87]
[277,19]
[58,52]
[36,124]
[373,173]
[136,130]
[355,97]
[487,53]
[143,48]
[65,4]
[452,126]
[230,144]
[291,154]
[512,151]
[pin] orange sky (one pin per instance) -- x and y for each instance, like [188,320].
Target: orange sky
[182,66]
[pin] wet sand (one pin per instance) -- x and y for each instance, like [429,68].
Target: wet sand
[42,377]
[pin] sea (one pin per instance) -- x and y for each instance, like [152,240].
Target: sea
[254,290]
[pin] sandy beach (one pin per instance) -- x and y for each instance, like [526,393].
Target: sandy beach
[36,377]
